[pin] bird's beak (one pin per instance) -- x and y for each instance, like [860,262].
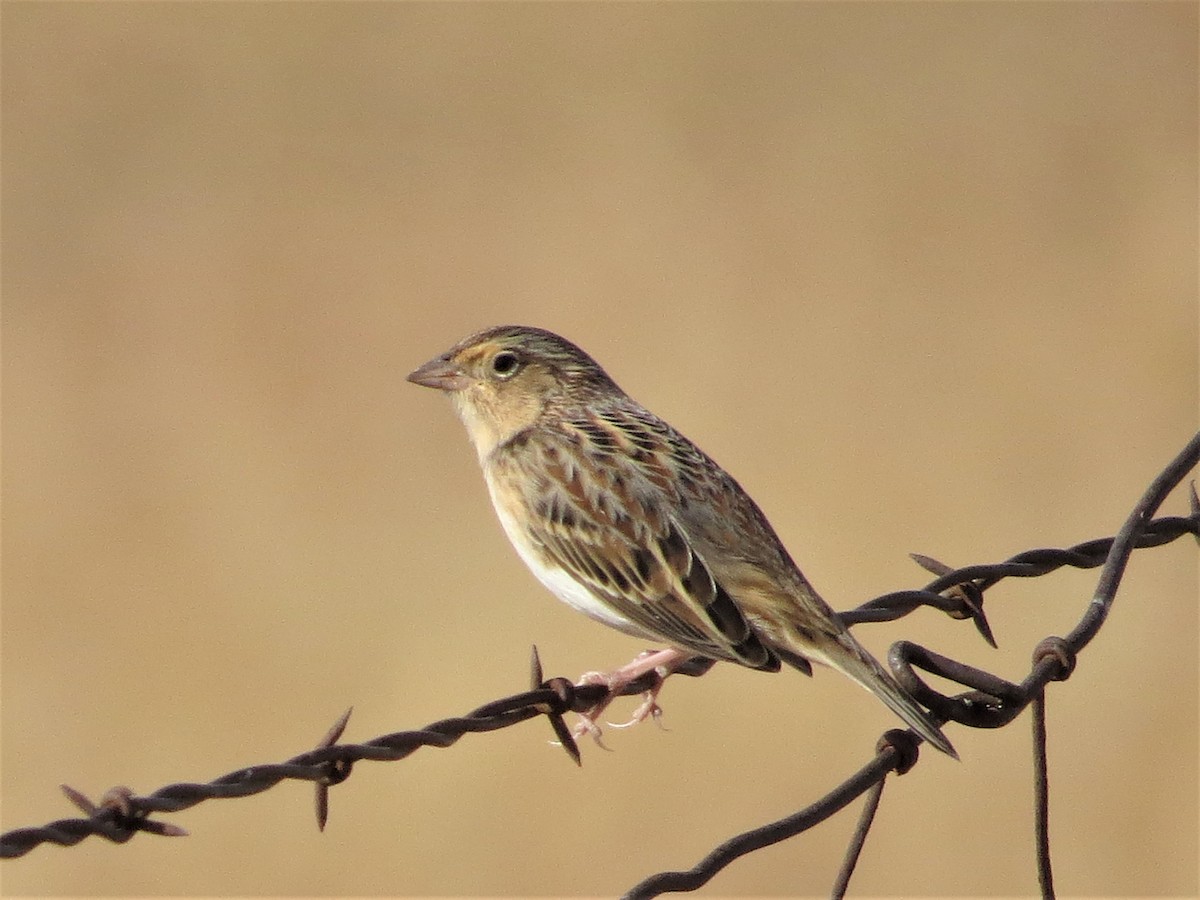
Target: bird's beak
[442,374]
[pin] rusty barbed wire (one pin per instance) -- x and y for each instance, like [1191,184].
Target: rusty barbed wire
[992,702]
[121,813]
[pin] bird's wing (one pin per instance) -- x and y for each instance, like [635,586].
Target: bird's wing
[603,512]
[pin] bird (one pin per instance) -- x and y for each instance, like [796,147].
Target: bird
[626,520]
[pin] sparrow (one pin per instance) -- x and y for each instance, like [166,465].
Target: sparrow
[626,520]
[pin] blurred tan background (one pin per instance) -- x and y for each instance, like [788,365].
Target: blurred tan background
[922,277]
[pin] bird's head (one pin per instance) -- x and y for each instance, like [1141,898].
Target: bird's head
[503,379]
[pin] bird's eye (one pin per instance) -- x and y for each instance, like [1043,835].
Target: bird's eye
[505,364]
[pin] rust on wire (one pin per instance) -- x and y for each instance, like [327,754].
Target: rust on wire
[989,702]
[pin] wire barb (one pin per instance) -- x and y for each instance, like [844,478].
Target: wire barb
[336,770]
[563,692]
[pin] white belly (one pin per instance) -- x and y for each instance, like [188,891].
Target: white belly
[557,580]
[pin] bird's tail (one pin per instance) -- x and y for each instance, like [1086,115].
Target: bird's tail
[852,660]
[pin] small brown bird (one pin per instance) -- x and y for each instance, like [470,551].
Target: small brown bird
[628,521]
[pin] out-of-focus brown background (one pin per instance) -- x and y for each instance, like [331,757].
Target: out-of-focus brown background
[922,277]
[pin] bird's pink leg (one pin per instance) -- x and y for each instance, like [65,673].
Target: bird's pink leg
[659,663]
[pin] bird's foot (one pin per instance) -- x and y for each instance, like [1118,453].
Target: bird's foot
[649,671]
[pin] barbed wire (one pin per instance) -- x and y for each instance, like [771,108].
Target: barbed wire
[991,702]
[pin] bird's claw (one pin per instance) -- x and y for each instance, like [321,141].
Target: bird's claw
[649,709]
[587,726]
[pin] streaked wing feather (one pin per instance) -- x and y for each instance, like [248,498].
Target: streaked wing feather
[609,527]
[603,567]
